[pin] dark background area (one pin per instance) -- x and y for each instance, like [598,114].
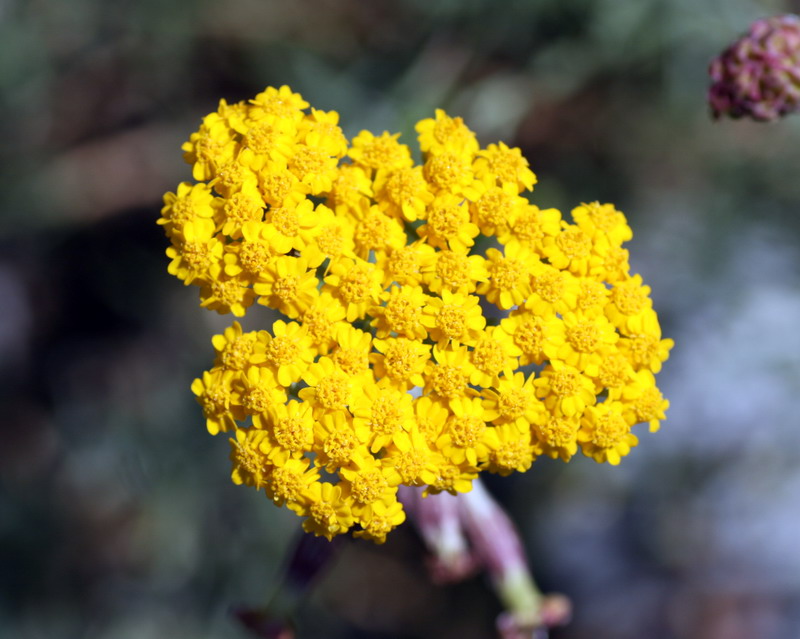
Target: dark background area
[117,516]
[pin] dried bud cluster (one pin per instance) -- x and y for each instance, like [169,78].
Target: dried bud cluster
[758,76]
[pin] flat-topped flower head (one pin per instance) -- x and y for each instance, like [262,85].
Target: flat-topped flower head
[434,323]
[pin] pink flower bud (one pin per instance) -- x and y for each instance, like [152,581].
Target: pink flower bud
[758,76]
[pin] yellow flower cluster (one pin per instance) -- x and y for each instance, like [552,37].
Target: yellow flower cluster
[392,367]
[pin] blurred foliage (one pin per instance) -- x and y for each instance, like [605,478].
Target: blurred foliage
[117,518]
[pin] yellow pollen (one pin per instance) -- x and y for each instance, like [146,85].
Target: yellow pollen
[333,391]
[448,381]
[564,383]
[275,187]
[493,208]
[261,139]
[257,400]
[403,186]
[512,454]
[250,460]
[255,257]
[240,208]
[386,417]
[215,401]
[574,243]
[549,285]
[229,177]
[196,255]
[324,514]
[368,487]
[513,404]
[558,432]
[445,221]
[609,430]
[402,315]
[287,485]
[465,431]
[285,288]
[591,294]
[584,336]
[613,371]
[309,161]
[319,327]
[292,433]
[489,357]
[236,353]
[354,286]
[643,349]
[529,337]
[446,477]
[452,321]
[528,227]
[339,446]
[181,212]
[228,292]
[630,300]
[373,232]
[331,241]
[649,405]
[285,221]
[452,269]
[282,350]
[399,360]
[506,165]
[445,170]
[402,262]
[352,361]
[409,465]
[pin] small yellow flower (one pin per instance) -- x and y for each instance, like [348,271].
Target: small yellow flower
[565,389]
[443,133]
[508,449]
[352,350]
[401,314]
[214,394]
[403,194]
[513,401]
[463,437]
[288,285]
[188,203]
[605,434]
[250,466]
[400,362]
[603,219]
[405,265]
[381,153]
[504,166]
[386,412]
[322,320]
[452,173]
[329,512]
[288,351]
[531,227]
[509,276]
[357,284]
[379,520]
[448,378]
[454,317]
[494,353]
[557,435]
[329,389]
[448,224]
[225,294]
[455,272]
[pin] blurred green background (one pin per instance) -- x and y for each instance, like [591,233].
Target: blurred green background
[117,516]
